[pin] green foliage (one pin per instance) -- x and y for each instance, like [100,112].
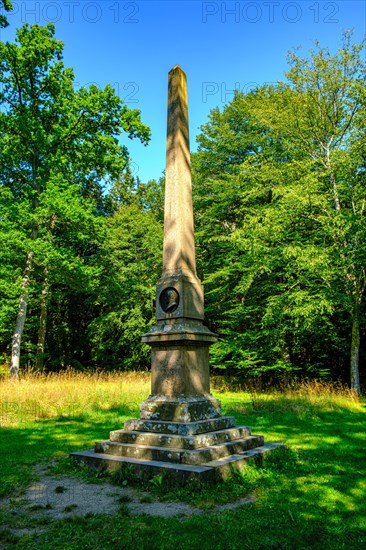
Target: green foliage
[158,480]
[279,190]
[58,150]
[130,257]
[124,475]
[279,201]
[7,5]
[312,491]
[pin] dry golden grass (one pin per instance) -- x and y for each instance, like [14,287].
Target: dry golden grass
[69,393]
[304,399]
[307,398]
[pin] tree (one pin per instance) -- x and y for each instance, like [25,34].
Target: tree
[130,259]
[129,190]
[7,7]
[324,105]
[284,223]
[55,142]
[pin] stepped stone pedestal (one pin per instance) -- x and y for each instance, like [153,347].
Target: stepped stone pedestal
[205,449]
[181,430]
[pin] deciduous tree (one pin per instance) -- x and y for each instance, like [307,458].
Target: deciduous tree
[281,216]
[56,144]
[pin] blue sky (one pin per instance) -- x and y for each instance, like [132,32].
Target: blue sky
[220,45]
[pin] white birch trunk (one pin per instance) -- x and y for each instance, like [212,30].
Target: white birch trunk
[22,313]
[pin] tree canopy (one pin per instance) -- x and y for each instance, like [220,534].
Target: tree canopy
[59,148]
[279,184]
[281,219]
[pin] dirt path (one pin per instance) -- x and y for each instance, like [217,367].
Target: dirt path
[58,497]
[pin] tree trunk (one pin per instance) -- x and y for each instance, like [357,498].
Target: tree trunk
[22,313]
[355,349]
[333,181]
[42,325]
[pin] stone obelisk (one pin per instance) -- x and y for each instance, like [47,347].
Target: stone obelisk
[180,383]
[180,430]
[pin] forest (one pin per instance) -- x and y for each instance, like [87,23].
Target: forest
[279,191]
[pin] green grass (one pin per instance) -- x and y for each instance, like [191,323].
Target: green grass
[310,496]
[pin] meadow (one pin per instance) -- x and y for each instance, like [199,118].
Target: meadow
[311,495]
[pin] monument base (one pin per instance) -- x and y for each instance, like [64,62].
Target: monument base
[203,449]
[180,409]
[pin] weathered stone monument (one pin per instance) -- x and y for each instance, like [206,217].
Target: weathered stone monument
[181,429]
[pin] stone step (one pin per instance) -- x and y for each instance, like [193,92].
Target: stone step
[145,469]
[223,466]
[180,441]
[180,428]
[180,456]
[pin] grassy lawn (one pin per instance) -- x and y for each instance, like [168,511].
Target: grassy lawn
[311,496]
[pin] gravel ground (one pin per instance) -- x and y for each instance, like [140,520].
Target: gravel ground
[58,497]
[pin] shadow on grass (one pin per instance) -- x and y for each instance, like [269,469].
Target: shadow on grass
[318,503]
[52,438]
[331,478]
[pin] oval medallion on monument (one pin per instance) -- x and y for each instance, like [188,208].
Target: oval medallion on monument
[169,300]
